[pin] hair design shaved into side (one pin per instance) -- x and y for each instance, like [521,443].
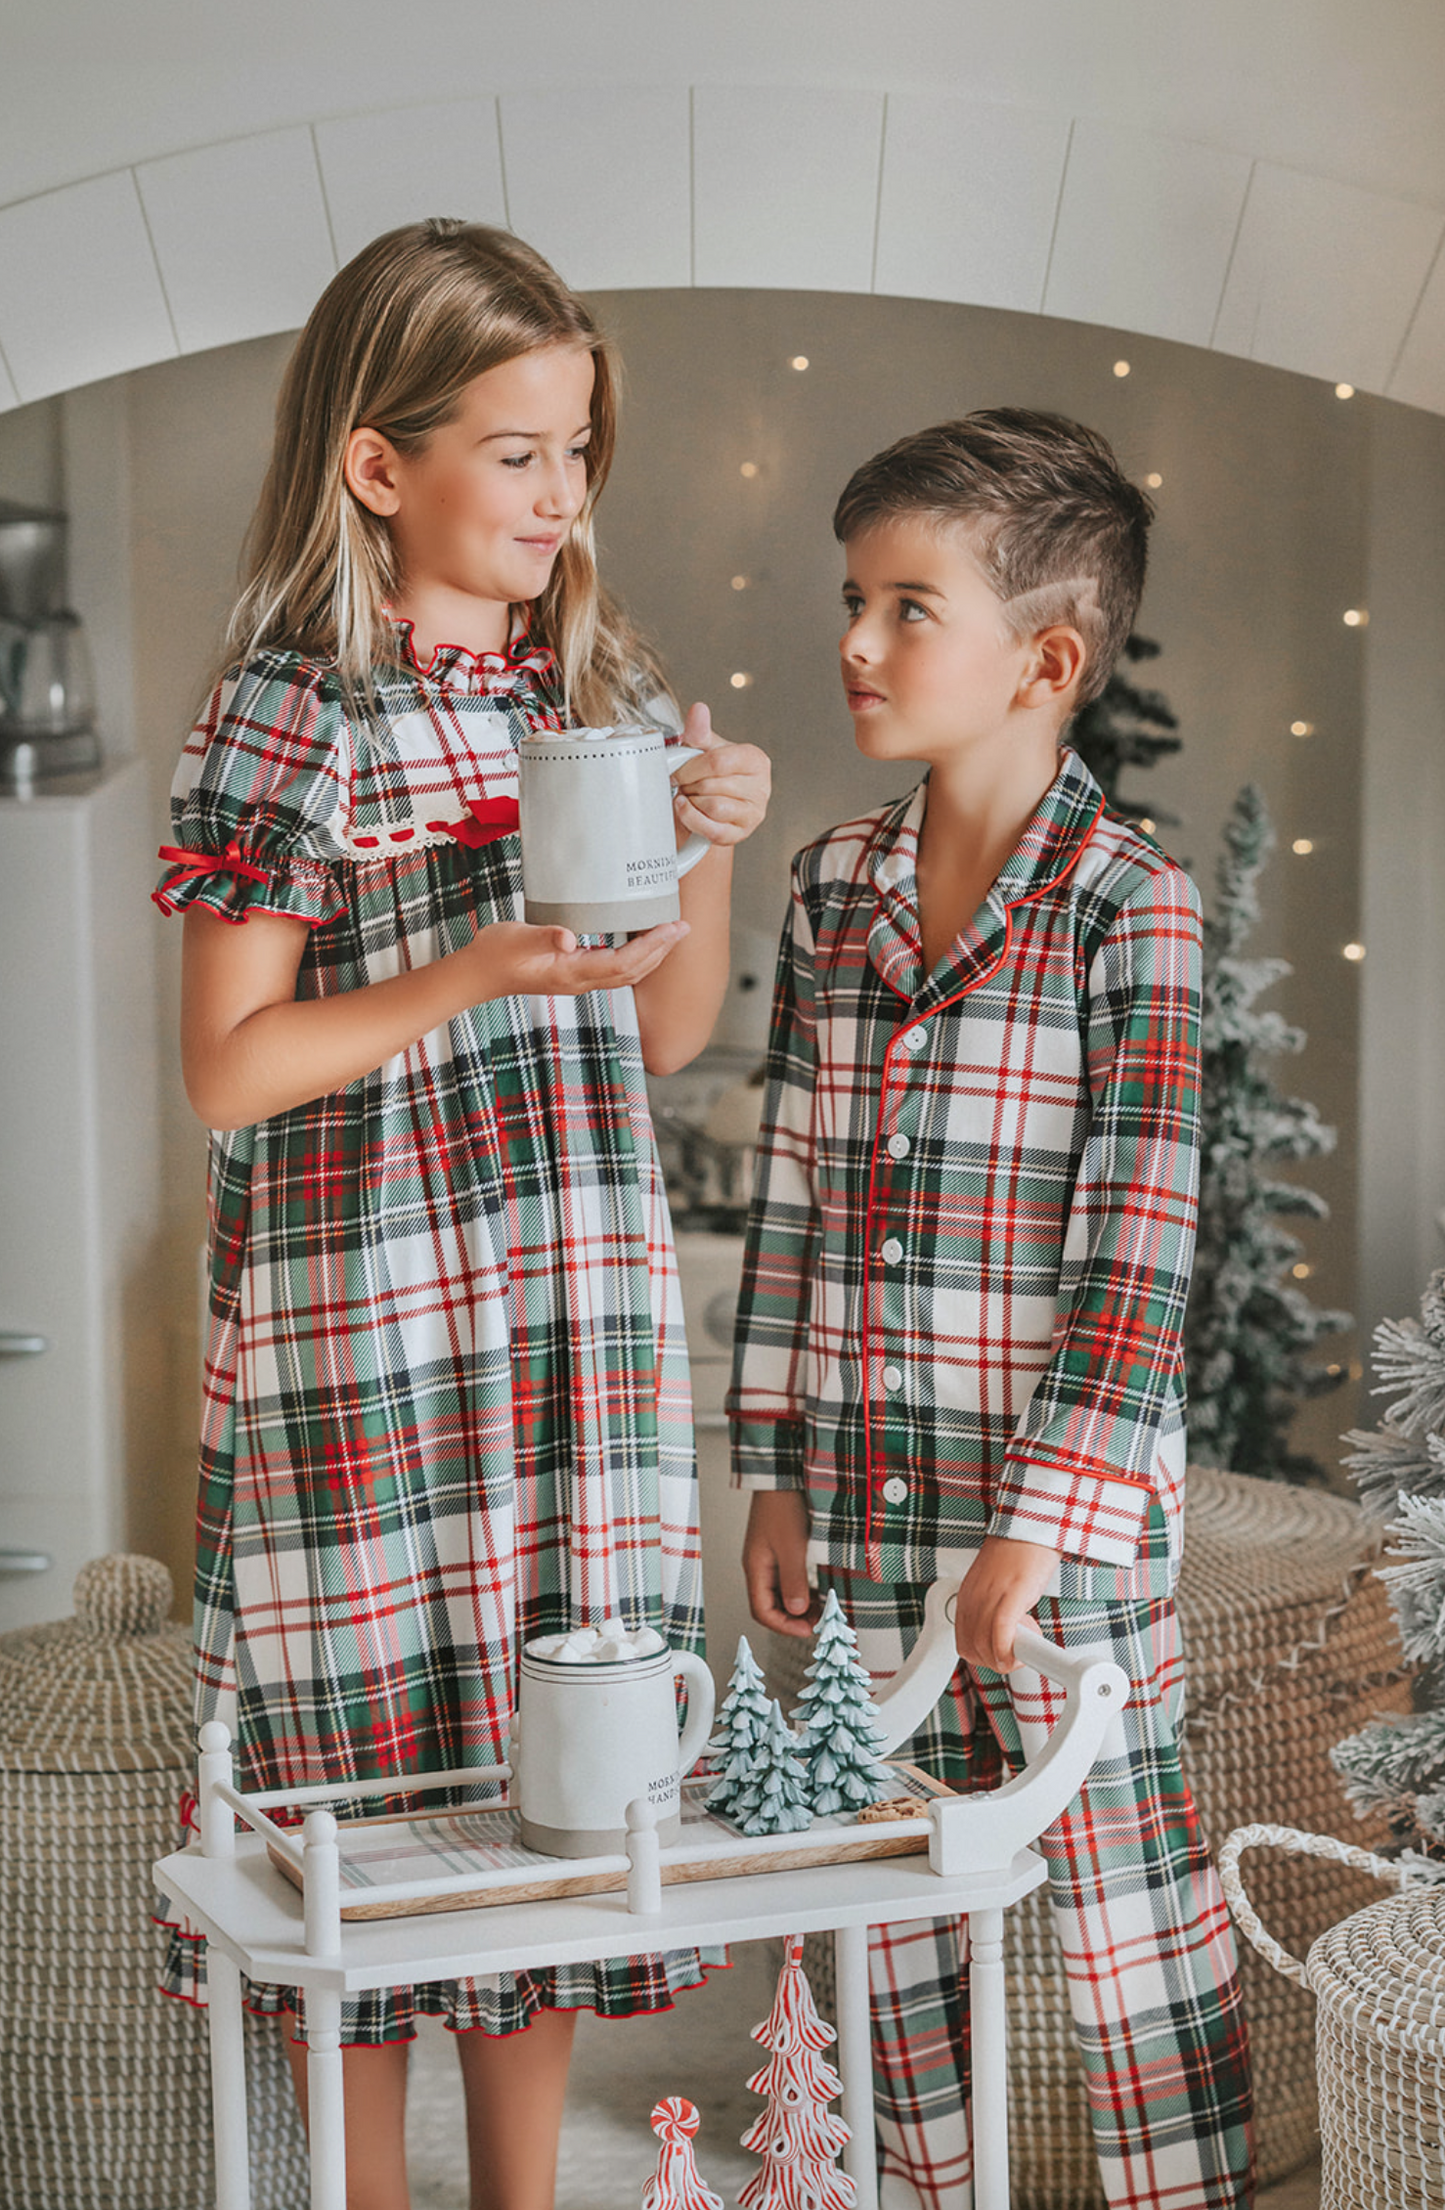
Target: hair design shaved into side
[1058,531]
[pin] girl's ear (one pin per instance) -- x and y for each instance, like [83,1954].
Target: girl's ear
[1055,663]
[370,466]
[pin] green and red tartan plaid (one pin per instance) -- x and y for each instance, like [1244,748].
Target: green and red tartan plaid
[447,1404]
[1143,1927]
[966,1269]
[973,1218]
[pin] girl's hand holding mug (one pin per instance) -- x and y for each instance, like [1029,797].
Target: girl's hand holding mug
[724,795]
[521,959]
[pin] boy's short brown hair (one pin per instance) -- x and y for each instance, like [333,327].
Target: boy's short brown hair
[1060,533]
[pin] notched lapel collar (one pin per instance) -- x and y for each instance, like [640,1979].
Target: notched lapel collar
[895,943]
[1045,854]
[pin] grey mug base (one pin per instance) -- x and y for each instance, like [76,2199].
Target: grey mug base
[578,1841]
[603,916]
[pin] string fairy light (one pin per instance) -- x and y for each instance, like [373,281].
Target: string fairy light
[1354,952]
[749,468]
[1121,368]
[740,583]
[1303,845]
[740,681]
[1301,728]
[1355,617]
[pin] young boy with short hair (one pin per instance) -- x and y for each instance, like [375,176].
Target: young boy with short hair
[967,1260]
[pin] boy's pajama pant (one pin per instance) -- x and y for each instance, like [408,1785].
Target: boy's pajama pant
[1142,1923]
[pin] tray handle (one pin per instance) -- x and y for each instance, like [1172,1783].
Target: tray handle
[1298,1845]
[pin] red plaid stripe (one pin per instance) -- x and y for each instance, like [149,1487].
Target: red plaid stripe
[973,1218]
[446,1383]
[1142,1925]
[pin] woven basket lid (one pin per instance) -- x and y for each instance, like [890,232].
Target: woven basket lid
[108,1691]
[1381,1972]
[1265,1565]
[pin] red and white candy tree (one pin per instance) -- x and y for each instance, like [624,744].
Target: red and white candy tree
[796,2137]
[677,2183]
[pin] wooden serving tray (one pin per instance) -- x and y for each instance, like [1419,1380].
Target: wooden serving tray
[482,1847]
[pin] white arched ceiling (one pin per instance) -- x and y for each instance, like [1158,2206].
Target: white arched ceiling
[1266,177]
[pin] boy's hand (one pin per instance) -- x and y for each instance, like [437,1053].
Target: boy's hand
[999,1590]
[775,1562]
[724,795]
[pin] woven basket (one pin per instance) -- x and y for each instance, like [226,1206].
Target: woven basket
[1378,1979]
[105,2083]
[1290,1645]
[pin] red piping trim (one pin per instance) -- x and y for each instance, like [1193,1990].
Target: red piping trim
[1083,1469]
[169,908]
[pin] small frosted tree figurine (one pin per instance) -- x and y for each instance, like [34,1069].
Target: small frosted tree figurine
[741,1722]
[796,2137]
[1248,1331]
[772,1797]
[677,2183]
[838,1721]
[1396,1765]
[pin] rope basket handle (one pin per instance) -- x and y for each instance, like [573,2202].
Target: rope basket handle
[1298,1845]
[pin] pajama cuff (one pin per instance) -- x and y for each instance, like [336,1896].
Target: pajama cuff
[1099,1519]
[768,1454]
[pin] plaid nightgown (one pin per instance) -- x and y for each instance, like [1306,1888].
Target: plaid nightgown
[446,1386]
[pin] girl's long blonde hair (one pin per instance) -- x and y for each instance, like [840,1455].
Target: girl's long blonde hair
[391,344]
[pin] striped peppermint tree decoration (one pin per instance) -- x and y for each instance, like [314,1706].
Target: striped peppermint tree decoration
[796,2137]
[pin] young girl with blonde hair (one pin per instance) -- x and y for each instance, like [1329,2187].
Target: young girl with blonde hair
[446,1393]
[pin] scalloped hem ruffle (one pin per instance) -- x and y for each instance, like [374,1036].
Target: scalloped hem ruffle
[498,2003]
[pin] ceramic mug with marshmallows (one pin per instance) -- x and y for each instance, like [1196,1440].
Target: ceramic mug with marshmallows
[596,1730]
[599,849]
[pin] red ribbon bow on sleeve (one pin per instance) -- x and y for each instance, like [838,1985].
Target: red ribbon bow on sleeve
[231,862]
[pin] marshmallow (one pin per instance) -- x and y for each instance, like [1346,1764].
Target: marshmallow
[609,1644]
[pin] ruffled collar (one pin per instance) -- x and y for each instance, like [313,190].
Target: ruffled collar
[521,665]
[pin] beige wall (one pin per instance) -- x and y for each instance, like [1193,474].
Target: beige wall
[1276,500]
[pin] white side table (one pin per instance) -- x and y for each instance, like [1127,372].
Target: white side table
[255,1922]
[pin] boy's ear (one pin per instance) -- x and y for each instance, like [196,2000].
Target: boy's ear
[1054,666]
[369,465]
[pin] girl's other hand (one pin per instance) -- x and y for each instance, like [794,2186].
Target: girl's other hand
[724,795]
[516,959]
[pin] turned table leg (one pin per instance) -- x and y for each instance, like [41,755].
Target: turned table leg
[987,2024]
[855,2061]
[325,2103]
[228,2080]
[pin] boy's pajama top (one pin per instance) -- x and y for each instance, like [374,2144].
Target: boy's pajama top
[446,1402]
[962,1307]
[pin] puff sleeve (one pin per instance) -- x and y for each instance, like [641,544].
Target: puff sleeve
[261,797]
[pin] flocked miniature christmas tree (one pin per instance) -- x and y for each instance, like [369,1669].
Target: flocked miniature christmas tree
[1126,727]
[677,2183]
[741,1721]
[796,2137]
[772,1794]
[1249,1331]
[1397,1765]
[837,1722]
